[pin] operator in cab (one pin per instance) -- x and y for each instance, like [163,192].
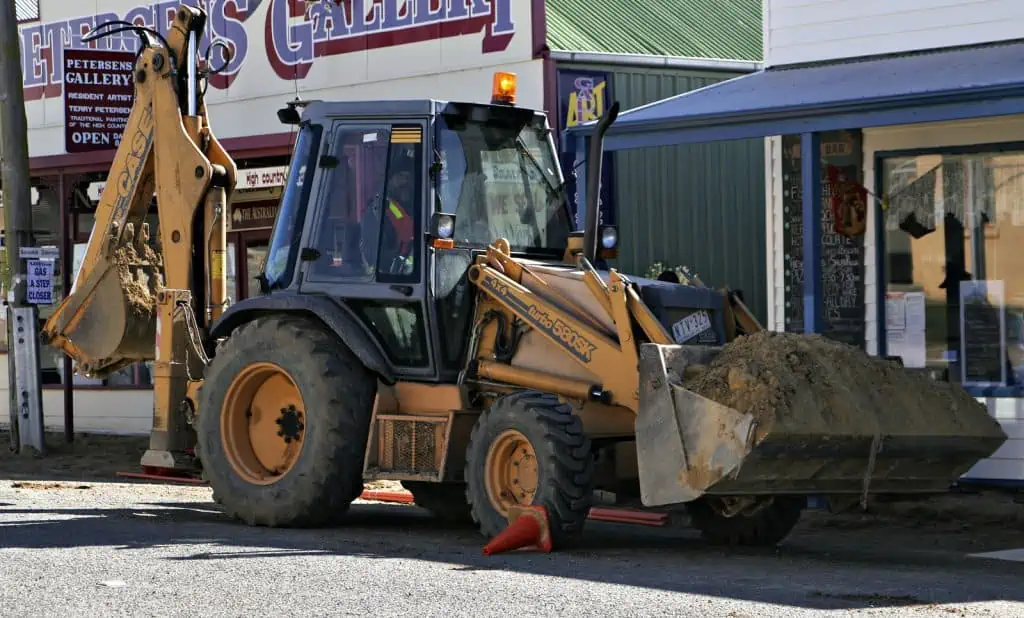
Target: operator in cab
[399,223]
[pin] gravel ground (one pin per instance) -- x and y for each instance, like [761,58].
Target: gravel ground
[94,548]
[74,538]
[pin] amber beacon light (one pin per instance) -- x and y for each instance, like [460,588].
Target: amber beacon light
[504,88]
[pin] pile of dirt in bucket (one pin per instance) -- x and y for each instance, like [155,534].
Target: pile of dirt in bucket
[139,275]
[811,384]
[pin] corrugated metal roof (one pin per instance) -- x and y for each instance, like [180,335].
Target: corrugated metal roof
[26,10]
[693,28]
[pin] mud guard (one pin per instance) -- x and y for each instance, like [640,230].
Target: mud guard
[685,442]
[333,315]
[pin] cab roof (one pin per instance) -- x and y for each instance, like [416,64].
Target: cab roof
[397,108]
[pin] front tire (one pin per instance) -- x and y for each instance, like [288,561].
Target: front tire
[529,448]
[284,415]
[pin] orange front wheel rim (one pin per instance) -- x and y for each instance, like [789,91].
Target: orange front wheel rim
[263,423]
[511,471]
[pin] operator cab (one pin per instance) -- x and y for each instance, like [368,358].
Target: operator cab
[387,203]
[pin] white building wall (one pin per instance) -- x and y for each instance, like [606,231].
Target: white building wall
[280,56]
[798,31]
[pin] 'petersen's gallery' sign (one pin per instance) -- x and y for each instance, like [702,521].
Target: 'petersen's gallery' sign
[294,32]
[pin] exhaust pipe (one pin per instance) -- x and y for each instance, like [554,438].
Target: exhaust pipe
[591,224]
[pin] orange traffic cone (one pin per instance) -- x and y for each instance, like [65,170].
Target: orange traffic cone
[528,527]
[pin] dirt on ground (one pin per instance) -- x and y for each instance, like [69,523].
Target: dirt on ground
[960,509]
[961,520]
[88,457]
[808,383]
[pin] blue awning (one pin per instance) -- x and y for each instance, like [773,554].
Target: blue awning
[924,87]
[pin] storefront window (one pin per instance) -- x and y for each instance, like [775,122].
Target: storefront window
[954,225]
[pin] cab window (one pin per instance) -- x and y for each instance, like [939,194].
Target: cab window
[370,219]
[400,233]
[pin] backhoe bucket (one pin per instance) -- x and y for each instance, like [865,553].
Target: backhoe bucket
[109,319]
[823,435]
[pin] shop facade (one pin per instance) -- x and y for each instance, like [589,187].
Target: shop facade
[901,233]
[283,50]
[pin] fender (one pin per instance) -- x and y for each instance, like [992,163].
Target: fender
[332,314]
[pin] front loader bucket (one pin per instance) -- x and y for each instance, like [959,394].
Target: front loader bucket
[109,319]
[791,414]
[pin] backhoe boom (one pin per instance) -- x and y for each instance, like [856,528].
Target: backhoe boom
[133,301]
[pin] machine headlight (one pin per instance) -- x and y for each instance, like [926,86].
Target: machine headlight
[445,226]
[609,237]
[442,228]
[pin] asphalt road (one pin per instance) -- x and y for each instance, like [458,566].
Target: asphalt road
[102,549]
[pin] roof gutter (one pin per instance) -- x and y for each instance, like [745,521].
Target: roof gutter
[646,60]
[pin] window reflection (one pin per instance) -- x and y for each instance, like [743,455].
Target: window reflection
[954,278]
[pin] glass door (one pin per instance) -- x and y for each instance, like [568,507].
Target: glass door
[234,292]
[255,253]
[246,252]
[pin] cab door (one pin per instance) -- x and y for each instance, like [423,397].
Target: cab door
[367,236]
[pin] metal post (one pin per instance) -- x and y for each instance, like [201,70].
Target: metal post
[810,182]
[67,260]
[23,327]
[17,204]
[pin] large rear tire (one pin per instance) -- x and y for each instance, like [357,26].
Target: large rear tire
[529,448]
[765,527]
[284,414]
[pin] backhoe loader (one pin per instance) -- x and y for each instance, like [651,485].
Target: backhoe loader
[428,314]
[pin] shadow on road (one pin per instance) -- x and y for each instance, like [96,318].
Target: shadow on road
[608,554]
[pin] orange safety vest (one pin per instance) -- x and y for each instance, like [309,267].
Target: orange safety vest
[403,225]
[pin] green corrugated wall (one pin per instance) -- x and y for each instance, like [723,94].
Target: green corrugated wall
[701,205]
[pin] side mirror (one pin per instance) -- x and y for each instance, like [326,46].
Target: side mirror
[288,115]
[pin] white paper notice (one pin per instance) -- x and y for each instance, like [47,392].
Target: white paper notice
[905,327]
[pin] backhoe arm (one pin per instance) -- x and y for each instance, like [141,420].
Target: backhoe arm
[136,301]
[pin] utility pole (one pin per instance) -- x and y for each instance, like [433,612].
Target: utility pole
[26,405]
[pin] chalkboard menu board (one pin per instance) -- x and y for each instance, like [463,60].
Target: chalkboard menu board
[982,333]
[842,257]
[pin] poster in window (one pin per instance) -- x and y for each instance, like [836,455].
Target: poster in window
[584,96]
[905,326]
[983,360]
[507,175]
